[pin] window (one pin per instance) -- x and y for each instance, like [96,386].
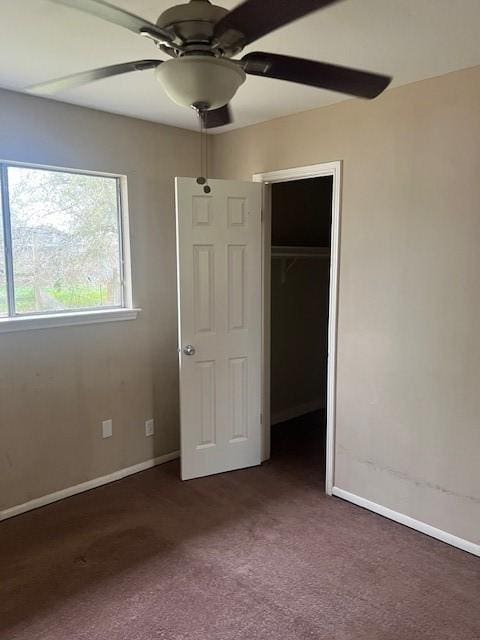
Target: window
[61,242]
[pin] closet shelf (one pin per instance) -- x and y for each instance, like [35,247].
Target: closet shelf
[300,252]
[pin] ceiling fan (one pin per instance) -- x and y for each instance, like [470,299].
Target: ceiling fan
[202,40]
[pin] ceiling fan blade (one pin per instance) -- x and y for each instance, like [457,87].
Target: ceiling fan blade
[255,18]
[84,77]
[216,117]
[122,18]
[316,74]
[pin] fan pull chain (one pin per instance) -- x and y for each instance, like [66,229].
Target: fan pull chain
[202,179]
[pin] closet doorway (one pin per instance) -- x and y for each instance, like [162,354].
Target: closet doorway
[300,265]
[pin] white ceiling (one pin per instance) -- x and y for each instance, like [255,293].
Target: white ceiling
[408,39]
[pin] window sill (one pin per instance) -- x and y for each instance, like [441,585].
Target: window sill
[26,323]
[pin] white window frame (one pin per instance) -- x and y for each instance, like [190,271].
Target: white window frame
[41,320]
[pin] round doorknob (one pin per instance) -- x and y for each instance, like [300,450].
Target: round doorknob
[189,350]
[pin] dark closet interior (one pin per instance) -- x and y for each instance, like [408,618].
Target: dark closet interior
[300,276]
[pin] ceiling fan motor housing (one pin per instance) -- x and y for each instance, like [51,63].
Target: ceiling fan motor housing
[193,22]
[194,80]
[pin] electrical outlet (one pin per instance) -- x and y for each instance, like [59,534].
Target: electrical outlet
[107,429]
[149,428]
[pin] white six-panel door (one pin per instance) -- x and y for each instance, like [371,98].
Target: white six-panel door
[219,288]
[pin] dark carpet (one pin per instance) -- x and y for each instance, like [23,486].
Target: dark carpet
[254,554]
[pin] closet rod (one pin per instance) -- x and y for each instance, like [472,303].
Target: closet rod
[300,252]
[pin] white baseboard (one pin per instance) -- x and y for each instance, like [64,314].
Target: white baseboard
[86,486]
[297,411]
[449,538]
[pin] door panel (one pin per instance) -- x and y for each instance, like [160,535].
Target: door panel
[204,288]
[219,289]
[237,287]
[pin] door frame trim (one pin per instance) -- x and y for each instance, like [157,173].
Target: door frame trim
[333,169]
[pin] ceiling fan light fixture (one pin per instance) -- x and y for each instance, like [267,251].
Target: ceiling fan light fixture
[202,38]
[193,80]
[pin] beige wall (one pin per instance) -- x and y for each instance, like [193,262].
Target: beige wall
[408,400]
[57,385]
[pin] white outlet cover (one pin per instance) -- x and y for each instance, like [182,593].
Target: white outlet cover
[149,428]
[107,429]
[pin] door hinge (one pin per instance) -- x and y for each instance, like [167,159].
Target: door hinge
[261,418]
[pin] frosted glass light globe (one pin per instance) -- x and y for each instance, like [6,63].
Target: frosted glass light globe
[206,80]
